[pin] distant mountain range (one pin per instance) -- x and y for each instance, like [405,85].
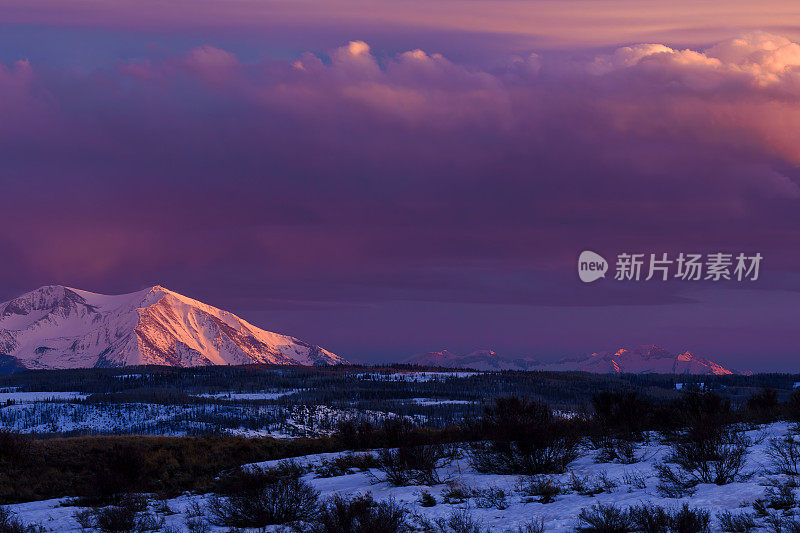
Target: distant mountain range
[61,327]
[646,359]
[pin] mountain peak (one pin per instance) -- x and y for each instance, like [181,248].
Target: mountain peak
[62,327]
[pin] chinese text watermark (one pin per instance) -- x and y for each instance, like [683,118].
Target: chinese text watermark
[717,266]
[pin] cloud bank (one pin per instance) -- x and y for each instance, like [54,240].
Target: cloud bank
[352,175]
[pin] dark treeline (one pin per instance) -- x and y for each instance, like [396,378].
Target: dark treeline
[328,385]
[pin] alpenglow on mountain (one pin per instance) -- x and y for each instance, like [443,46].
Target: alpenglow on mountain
[646,359]
[62,327]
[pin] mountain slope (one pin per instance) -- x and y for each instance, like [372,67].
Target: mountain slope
[639,360]
[62,327]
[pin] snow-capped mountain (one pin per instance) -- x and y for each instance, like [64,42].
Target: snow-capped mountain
[479,360]
[646,359]
[640,360]
[62,327]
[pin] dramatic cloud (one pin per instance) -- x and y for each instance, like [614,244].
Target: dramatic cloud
[356,177]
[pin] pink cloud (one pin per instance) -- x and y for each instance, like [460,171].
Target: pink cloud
[416,155]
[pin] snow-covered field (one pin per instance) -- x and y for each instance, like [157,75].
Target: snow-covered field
[175,419]
[32,397]
[622,485]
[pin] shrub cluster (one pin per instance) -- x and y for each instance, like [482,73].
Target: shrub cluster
[10,524]
[523,437]
[643,518]
[413,465]
[264,497]
[360,514]
[710,449]
[127,513]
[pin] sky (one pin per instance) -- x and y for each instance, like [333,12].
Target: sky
[386,178]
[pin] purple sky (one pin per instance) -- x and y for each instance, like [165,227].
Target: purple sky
[412,176]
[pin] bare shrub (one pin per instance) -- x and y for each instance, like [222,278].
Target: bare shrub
[360,515]
[195,510]
[736,523]
[604,519]
[545,488]
[778,523]
[413,465]
[161,505]
[578,484]
[535,525]
[196,525]
[276,501]
[650,518]
[763,406]
[635,480]
[602,483]
[459,521]
[781,496]
[587,486]
[708,452]
[778,496]
[342,465]
[693,408]
[785,455]
[149,522]
[671,484]
[128,513]
[456,493]
[614,450]
[195,519]
[624,413]
[642,518]
[687,520]
[10,524]
[84,517]
[115,518]
[491,497]
[523,437]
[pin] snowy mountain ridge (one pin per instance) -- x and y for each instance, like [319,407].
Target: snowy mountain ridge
[61,327]
[646,359]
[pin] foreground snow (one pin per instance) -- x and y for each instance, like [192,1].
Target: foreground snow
[628,485]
